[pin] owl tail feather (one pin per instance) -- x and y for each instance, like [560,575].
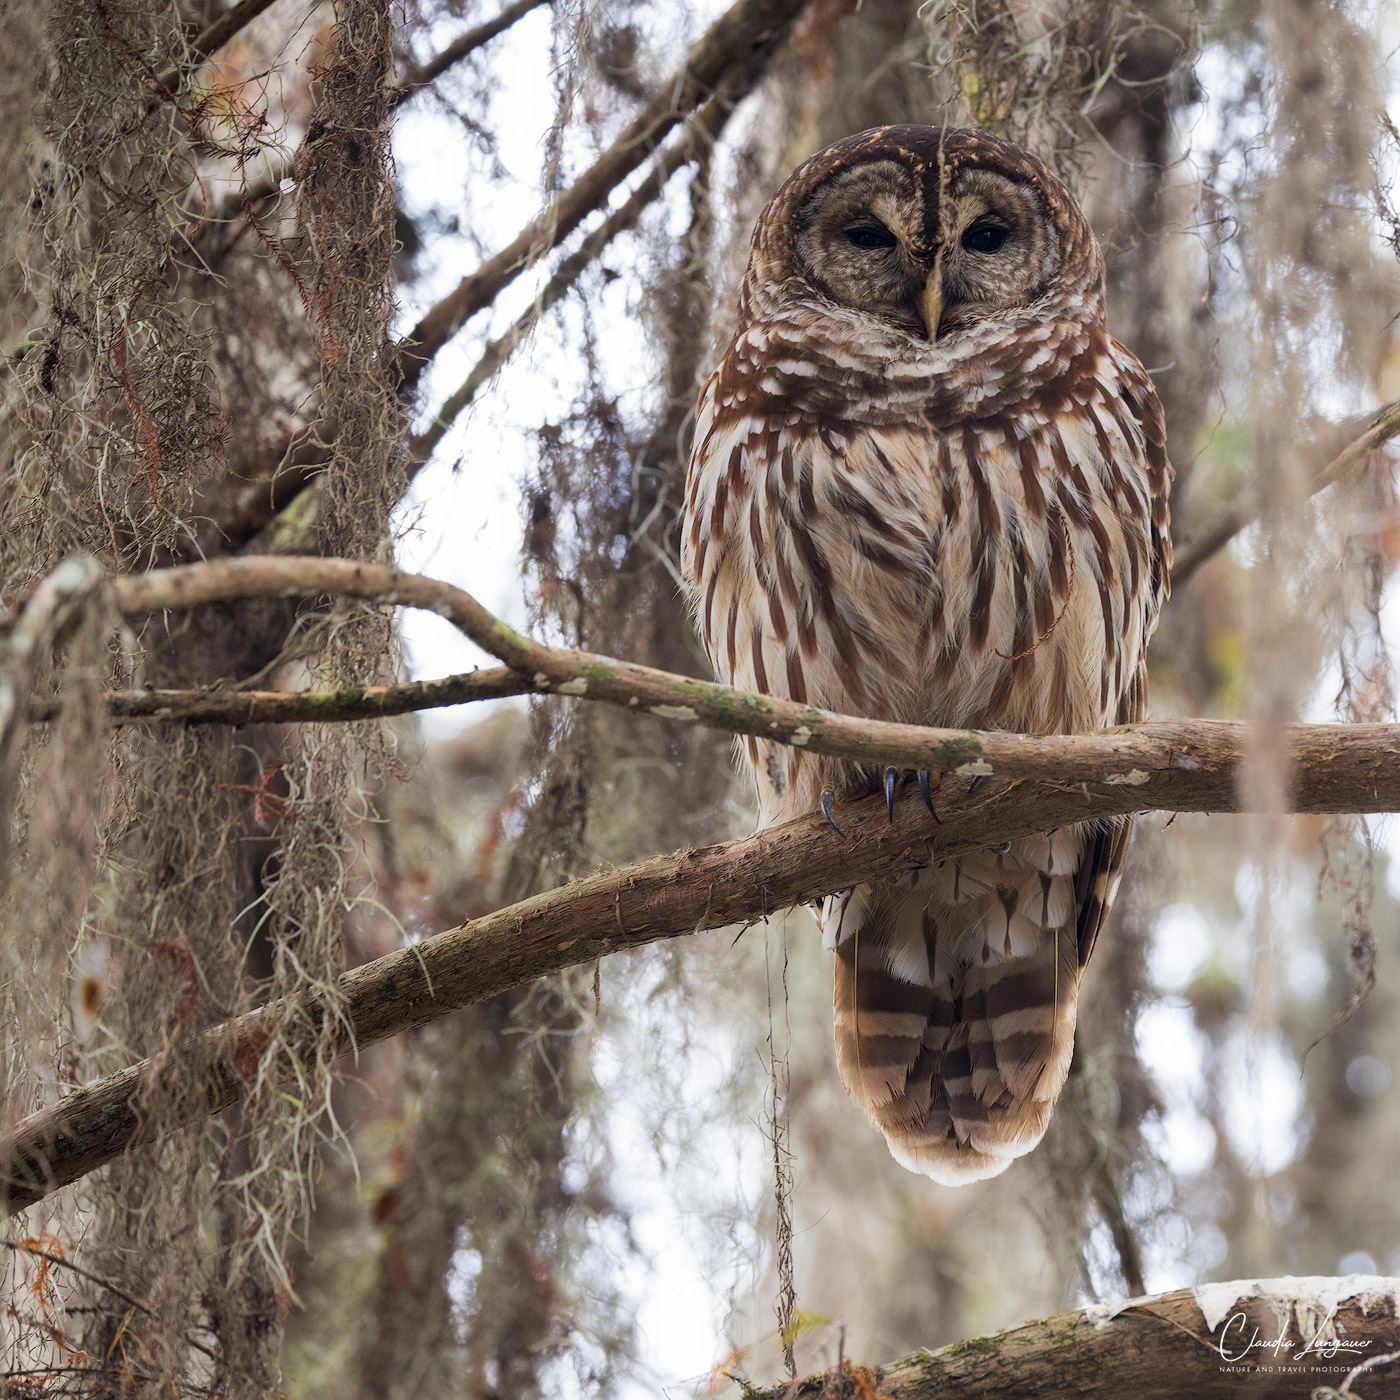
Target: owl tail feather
[955,1022]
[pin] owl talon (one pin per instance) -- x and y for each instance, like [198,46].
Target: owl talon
[1001,849]
[891,777]
[828,797]
[972,786]
[926,792]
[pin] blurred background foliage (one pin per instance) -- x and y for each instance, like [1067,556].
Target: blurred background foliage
[570,1189]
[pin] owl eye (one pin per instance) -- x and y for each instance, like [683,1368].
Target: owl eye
[870,236]
[985,238]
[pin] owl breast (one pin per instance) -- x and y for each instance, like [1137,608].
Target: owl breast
[1001,572]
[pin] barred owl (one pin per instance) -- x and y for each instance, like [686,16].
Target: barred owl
[928,486]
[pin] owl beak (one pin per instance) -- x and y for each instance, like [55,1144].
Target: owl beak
[931,303]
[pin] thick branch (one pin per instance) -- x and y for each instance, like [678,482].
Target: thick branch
[1192,1342]
[1337,769]
[1245,509]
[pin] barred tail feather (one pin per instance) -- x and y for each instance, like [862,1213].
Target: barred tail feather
[955,996]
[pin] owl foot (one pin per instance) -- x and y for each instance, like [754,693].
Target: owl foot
[927,783]
[828,797]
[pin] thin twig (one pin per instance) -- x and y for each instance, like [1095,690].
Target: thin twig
[745,34]
[1244,510]
[419,76]
[241,707]
[726,63]
[211,39]
[269,184]
[704,129]
[58,1260]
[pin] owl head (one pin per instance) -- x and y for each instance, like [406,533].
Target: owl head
[931,233]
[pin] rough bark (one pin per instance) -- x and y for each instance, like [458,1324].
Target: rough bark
[1199,1342]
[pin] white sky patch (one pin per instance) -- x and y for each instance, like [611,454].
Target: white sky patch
[1181,946]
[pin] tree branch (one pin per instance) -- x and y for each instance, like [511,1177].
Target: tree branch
[419,76]
[239,707]
[1190,1342]
[1179,766]
[269,184]
[1146,758]
[1337,769]
[1231,518]
[744,35]
[705,127]
[211,39]
[723,66]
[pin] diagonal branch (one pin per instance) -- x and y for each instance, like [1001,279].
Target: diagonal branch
[1336,768]
[704,129]
[723,67]
[1245,509]
[269,183]
[744,35]
[420,75]
[211,39]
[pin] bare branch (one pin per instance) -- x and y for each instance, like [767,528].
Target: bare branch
[1188,1342]
[727,62]
[269,184]
[741,37]
[240,707]
[1244,510]
[1140,757]
[705,128]
[418,77]
[1337,768]
[212,38]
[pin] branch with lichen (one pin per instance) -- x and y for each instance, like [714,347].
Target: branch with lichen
[1201,1342]
[1336,768]
[213,705]
[1141,756]
[1040,783]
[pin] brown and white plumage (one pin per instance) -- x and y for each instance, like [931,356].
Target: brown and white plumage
[928,486]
